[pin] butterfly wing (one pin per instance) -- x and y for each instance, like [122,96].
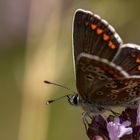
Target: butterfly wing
[98,79]
[103,82]
[128,57]
[93,35]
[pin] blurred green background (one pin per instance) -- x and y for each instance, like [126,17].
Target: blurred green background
[35,44]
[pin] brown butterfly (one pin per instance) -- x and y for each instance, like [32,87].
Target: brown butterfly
[107,71]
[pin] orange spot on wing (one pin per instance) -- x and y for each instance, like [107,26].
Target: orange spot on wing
[93,26]
[133,55]
[99,31]
[139,67]
[111,45]
[112,72]
[105,37]
[138,60]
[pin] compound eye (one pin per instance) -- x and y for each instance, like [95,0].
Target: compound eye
[76,100]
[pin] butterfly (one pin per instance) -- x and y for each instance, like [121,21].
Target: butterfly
[107,71]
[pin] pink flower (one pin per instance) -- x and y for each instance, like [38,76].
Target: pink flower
[117,130]
[124,127]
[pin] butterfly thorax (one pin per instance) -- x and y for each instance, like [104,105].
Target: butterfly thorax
[76,100]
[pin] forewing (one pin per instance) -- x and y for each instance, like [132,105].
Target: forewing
[93,35]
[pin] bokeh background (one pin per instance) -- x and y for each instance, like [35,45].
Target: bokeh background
[35,44]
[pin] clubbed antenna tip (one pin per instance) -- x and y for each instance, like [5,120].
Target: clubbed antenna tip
[49,102]
[47,82]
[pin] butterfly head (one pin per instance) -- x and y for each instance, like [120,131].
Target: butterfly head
[73,99]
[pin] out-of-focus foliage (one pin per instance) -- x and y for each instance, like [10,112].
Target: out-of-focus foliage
[35,44]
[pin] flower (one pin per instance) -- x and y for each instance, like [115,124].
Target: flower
[97,129]
[117,130]
[133,116]
[124,127]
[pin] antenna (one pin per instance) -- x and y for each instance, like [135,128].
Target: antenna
[57,99]
[59,85]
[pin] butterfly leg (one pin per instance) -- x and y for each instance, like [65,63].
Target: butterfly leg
[85,117]
[115,113]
